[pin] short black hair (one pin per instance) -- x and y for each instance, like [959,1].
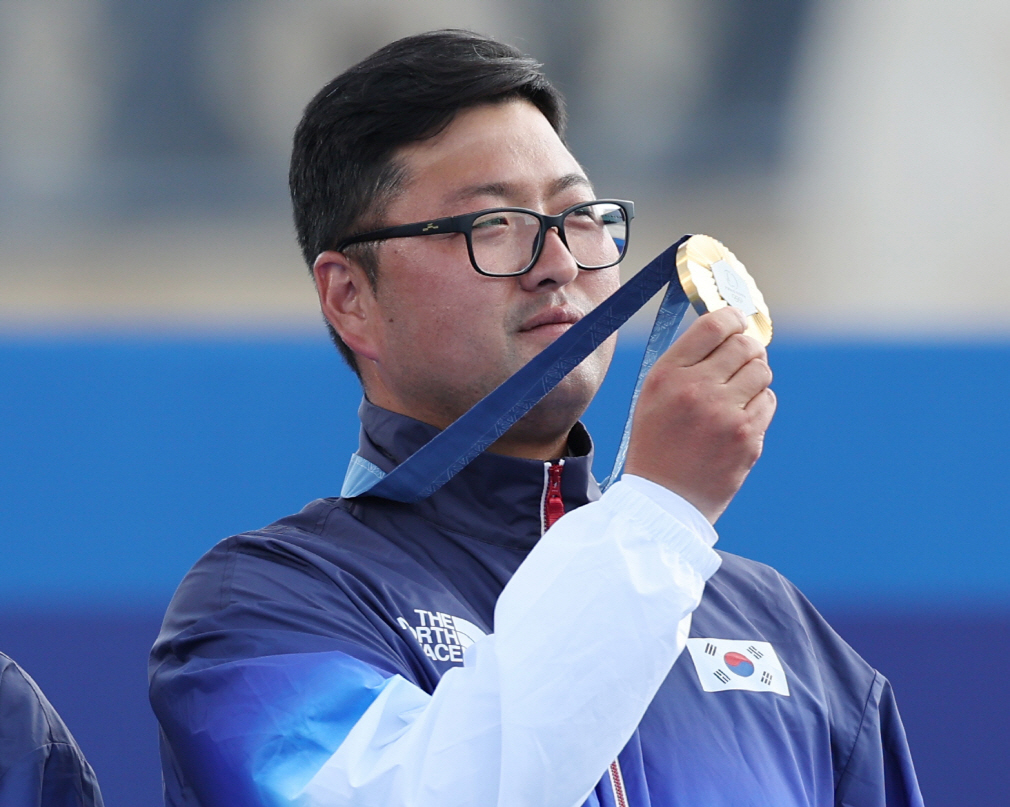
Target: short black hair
[342,172]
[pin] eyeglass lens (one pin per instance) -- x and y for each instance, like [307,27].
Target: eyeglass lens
[504,241]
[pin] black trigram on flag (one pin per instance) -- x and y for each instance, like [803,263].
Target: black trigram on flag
[755,652]
[766,677]
[710,649]
[721,676]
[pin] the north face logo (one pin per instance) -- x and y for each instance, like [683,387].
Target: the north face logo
[443,637]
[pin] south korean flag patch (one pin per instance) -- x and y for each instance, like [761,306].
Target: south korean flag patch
[737,664]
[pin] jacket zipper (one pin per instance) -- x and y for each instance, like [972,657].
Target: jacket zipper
[617,782]
[552,507]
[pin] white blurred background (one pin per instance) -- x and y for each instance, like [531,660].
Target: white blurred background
[852,154]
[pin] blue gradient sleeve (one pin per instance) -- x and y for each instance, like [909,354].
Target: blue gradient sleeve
[879,772]
[255,731]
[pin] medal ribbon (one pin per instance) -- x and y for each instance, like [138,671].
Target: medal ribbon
[452,449]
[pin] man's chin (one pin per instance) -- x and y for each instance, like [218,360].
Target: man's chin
[550,421]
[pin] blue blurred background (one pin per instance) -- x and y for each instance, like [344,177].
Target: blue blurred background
[165,380]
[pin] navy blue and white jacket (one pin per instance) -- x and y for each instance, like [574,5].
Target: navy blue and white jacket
[457,652]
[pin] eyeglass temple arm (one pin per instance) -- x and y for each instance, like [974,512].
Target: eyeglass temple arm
[450,224]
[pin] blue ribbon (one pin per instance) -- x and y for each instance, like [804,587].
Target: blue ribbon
[452,449]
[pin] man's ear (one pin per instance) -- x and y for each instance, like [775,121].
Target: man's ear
[347,301]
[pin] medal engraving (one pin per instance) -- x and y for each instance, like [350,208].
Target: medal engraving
[713,278]
[732,288]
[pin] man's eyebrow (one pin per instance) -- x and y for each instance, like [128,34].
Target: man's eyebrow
[505,190]
[562,184]
[500,189]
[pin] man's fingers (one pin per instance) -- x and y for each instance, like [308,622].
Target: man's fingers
[700,421]
[732,355]
[762,408]
[705,335]
[750,380]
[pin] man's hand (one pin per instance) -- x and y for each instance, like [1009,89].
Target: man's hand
[701,418]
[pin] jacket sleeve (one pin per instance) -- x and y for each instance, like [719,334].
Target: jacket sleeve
[40,763]
[585,632]
[879,772]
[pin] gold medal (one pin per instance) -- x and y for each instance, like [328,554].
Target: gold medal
[713,278]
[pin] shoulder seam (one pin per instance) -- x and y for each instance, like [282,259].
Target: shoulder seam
[333,506]
[47,748]
[859,729]
[40,699]
[224,599]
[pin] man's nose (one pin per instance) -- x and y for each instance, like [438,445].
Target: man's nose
[554,268]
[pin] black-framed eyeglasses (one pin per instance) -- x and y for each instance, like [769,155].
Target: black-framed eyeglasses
[507,241]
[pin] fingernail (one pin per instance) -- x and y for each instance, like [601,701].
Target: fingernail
[741,315]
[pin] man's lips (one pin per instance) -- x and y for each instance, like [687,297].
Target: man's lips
[555,318]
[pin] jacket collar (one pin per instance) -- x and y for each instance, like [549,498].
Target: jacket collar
[495,499]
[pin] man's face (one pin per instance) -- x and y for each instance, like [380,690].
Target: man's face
[447,335]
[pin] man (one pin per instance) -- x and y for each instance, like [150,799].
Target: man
[515,638]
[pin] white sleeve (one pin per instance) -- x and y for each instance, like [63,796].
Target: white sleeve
[674,504]
[585,633]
